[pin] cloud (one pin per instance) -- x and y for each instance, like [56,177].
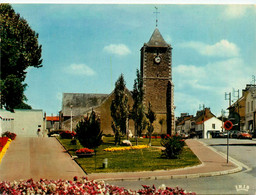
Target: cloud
[222,48]
[216,77]
[207,84]
[235,11]
[117,49]
[80,69]
[190,75]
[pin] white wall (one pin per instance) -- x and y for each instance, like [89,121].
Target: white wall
[24,123]
[208,126]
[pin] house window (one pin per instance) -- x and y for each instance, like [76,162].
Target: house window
[213,126]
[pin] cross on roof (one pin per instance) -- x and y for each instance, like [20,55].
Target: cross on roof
[156,12]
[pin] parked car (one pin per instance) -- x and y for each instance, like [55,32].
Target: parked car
[244,135]
[233,133]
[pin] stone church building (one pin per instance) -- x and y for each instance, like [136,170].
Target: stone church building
[156,68]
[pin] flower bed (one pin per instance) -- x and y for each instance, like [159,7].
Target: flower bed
[4,145]
[111,149]
[67,134]
[84,152]
[84,186]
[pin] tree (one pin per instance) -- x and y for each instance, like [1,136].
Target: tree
[88,131]
[119,109]
[151,118]
[137,112]
[169,108]
[19,50]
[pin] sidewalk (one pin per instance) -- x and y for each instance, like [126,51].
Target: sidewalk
[212,164]
[37,158]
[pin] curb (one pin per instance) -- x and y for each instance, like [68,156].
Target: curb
[239,165]
[72,157]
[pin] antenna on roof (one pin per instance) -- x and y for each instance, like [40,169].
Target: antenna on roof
[156,12]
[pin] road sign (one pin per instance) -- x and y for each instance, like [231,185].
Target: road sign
[228,125]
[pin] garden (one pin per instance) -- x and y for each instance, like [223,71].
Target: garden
[96,153]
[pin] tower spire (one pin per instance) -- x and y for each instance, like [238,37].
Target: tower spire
[156,12]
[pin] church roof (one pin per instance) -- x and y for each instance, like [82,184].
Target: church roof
[157,40]
[80,102]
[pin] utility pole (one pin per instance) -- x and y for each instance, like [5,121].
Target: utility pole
[253,79]
[202,107]
[236,96]
[228,97]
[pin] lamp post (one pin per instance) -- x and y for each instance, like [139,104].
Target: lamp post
[71,117]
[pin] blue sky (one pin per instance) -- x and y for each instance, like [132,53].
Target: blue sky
[87,46]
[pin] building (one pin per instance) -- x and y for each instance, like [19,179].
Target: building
[97,102]
[156,62]
[250,110]
[52,123]
[245,108]
[22,122]
[208,127]
[156,68]
[185,124]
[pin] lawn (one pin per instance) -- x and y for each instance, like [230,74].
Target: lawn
[147,159]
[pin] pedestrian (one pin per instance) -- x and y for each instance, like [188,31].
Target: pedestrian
[38,132]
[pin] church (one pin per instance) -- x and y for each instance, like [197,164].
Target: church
[156,69]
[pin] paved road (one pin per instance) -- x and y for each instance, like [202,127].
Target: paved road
[226,184]
[35,158]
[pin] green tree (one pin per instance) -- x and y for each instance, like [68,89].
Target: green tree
[19,50]
[137,112]
[119,109]
[169,108]
[12,93]
[151,118]
[88,131]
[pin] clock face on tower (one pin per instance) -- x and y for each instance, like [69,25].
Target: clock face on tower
[157,59]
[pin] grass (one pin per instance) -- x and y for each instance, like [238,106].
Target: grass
[147,159]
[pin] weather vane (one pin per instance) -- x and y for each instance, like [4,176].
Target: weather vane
[156,12]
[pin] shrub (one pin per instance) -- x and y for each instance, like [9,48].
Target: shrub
[73,141]
[173,146]
[67,134]
[88,131]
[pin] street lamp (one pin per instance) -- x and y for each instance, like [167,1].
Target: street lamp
[71,117]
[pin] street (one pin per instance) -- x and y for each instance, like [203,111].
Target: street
[243,182]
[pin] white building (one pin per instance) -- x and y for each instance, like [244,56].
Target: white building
[208,127]
[22,122]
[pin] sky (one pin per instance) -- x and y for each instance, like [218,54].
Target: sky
[85,48]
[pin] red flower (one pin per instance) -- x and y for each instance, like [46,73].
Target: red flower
[84,151]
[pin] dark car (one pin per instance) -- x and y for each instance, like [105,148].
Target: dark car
[244,135]
[233,134]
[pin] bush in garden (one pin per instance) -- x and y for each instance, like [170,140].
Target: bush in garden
[173,146]
[88,131]
[67,134]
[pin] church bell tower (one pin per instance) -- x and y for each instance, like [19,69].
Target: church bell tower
[156,69]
